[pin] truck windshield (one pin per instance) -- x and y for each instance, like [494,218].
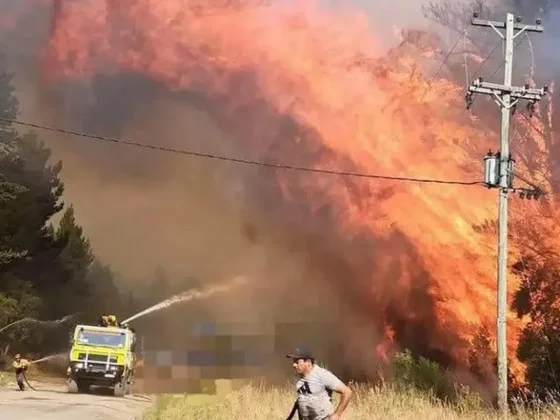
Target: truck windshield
[99,338]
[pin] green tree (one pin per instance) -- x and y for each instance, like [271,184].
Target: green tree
[30,193]
[9,191]
[25,196]
[77,255]
[45,272]
[32,196]
[67,260]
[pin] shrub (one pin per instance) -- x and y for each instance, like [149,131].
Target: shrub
[424,375]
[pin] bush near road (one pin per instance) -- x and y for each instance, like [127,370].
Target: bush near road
[383,402]
[420,389]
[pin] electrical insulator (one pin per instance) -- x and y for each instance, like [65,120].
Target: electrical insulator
[510,173]
[491,170]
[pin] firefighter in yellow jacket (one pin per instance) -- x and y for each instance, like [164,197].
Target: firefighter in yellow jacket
[20,366]
[108,321]
[112,321]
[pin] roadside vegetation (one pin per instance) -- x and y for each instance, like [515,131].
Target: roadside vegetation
[48,267]
[419,389]
[369,403]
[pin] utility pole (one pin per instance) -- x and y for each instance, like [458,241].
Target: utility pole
[499,170]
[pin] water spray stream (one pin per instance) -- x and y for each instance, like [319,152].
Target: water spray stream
[38,321]
[52,356]
[189,295]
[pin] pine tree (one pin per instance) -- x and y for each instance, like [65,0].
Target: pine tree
[46,272]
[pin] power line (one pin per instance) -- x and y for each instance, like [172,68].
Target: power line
[483,63]
[496,46]
[497,68]
[461,35]
[486,59]
[504,61]
[465,61]
[237,160]
[538,130]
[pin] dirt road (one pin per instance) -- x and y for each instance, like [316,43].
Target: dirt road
[51,402]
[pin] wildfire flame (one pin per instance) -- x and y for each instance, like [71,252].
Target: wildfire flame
[379,115]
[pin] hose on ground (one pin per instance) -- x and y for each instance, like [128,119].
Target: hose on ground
[27,382]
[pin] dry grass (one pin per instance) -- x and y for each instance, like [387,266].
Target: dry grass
[4,381]
[368,403]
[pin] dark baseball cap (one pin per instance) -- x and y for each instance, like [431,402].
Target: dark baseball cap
[301,353]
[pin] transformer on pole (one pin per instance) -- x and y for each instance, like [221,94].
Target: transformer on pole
[498,169]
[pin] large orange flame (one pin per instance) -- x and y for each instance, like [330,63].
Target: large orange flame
[381,115]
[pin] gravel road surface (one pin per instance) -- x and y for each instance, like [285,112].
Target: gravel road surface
[50,401]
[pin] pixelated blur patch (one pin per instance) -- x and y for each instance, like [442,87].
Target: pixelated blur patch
[210,359]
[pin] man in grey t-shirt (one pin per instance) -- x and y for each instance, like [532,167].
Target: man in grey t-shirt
[314,388]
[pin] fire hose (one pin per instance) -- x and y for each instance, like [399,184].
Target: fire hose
[26,381]
[25,377]
[294,411]
[31,363]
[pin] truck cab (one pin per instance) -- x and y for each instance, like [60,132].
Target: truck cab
[101,356]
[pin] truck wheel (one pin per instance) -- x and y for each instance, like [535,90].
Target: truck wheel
[128,387]
[72,386]
[120,390]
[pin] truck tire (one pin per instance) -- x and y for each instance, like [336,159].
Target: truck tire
[128,387]
[120,389]
[72,386]
[128,382]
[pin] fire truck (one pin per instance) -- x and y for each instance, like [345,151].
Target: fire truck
[102,356]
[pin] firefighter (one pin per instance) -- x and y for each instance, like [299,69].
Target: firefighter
[108,321]
[112,321]
[20,366]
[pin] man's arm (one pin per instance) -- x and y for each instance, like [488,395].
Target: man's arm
[346,393]
[335,384]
